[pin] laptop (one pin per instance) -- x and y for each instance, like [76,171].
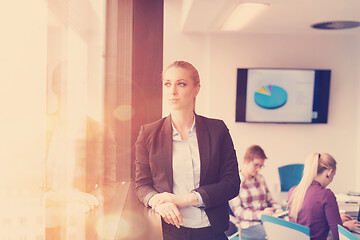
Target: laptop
[356,216]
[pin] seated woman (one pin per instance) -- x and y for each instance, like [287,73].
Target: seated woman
[254,198]
[312,204]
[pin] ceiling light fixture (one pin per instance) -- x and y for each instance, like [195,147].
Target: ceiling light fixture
[242,15]
[336,25]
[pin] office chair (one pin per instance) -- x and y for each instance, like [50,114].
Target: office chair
[237,234]
[344,234]
[290,175]
[280,229]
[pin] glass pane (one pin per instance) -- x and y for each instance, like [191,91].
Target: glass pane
[22,118]
[80,152]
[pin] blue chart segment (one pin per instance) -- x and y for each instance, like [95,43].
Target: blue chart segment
[270,97]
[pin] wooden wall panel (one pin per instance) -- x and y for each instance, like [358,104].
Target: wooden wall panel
[133,65]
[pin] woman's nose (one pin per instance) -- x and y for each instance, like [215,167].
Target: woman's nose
[173,90]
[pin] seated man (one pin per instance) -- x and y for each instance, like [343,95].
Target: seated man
[254,198]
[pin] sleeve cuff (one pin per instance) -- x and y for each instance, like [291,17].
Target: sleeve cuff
[148,197]
[199,198]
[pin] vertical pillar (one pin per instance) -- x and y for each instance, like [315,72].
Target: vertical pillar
[133,65]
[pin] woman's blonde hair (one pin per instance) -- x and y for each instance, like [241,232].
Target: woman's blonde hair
[315,164]
[190,68]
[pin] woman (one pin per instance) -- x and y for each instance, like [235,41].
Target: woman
[312,204]
[186,166]
[254,198]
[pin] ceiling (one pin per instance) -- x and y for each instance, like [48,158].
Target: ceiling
[281,17]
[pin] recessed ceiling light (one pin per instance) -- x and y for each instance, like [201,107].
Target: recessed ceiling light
[242,15]
[336,25]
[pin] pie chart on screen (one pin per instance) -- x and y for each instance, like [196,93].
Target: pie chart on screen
[270,97]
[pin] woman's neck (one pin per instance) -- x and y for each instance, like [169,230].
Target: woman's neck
[321,180]
[182,120]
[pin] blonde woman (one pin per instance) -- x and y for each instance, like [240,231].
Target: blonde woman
[312,204]
[186,166]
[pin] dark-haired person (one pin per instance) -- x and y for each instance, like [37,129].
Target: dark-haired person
[186,166]
[312,204]
[254,198]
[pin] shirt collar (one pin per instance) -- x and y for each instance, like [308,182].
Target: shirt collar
[316,183]
[243,179]
[191,131]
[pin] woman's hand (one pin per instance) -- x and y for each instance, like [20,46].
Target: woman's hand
[345,217]
[161,198]
[170,213]
[186,200]
[351,224]
[179,200]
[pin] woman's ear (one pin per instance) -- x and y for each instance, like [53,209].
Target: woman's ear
[197,89]
[329,173]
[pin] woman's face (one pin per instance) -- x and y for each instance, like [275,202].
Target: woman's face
[179,89]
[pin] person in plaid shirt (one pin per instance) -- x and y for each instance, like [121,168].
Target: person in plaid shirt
[254,198]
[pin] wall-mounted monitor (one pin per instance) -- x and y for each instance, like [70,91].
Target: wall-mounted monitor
[282,95]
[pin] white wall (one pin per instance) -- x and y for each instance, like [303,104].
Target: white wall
[217,56]
[357,52]
[187,47]
[289,143]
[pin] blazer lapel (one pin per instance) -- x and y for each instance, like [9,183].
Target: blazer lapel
[203,138]
[166,140]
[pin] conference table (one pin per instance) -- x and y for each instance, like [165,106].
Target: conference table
[137,221]
[347,203]
[125,218]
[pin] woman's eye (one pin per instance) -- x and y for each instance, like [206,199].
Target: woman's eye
[182,84]
[167,84]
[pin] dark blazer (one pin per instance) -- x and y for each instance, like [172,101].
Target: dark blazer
[219,175]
